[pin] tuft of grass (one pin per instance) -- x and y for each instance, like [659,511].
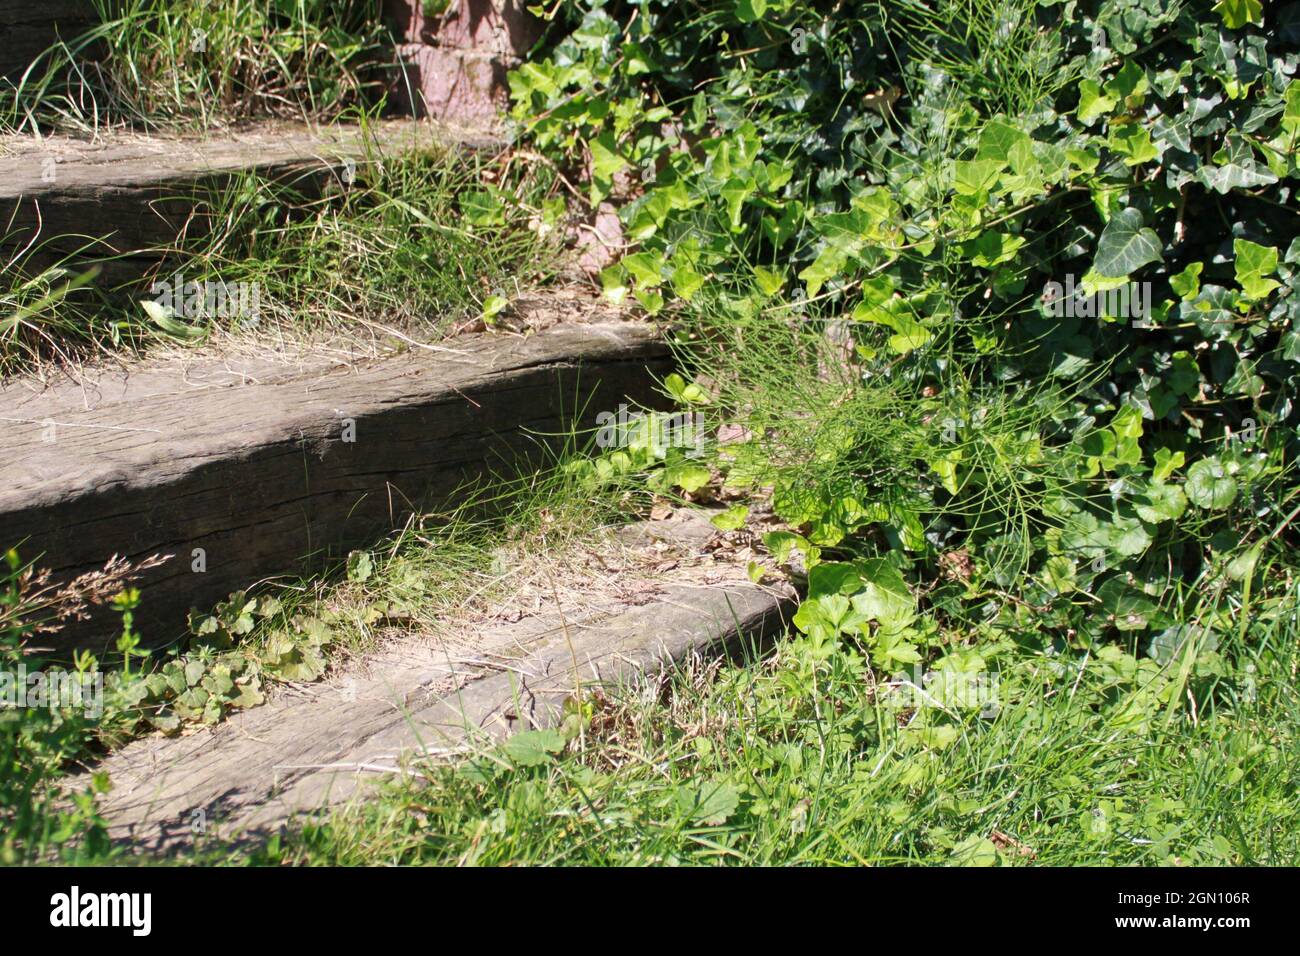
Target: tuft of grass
[417,242]
[45,313]
[169,63]
[1004,56]
[437,569]
[788,760]
[414,246]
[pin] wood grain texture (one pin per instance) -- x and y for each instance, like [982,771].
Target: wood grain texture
[261,476]
[418,696]
[129,197]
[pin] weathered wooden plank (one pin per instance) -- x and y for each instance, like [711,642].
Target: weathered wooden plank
[281,475]
[131,195]
[426,695]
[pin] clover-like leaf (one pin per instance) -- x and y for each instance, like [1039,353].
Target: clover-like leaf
[1161,502]
[533,747]
[974,851]
[711,803]
[1209,485]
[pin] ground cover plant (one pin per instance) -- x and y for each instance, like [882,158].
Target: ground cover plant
[800,758]
[929,184]
[245,648]
[997,305]
[995,308]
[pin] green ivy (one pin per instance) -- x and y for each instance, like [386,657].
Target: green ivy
[1065,241]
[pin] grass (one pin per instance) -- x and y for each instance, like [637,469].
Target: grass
[794,760]
[158,64]
[417,243]
[413,248]
[967,681]
[44,312]
[797,758]
[436,570]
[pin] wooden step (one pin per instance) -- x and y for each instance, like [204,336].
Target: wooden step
[130,196]
[661,591]
[236,470]
[30,27]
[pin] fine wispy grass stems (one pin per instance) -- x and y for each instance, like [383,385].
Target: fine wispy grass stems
[760,762]
[156,64]
[410,247]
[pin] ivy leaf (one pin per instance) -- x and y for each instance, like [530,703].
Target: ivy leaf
[1133,142]
[828,264]
[1236,168]
[1093,103]
[1291,112]
[834,577]
[769,281]
[731,519]
[1237,13]
[493,305]
[783,543]
[1167,463]
[1126,245]
[613,282]
[881,306]
[686,393]
[646,268]
[1187,284]
[992,248]
[686,282]
[735,193]
[971,178]
[998,139]
[1252,262]
[885,596]
[686,476]
[605,163]
[1129,84]
[651,300]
